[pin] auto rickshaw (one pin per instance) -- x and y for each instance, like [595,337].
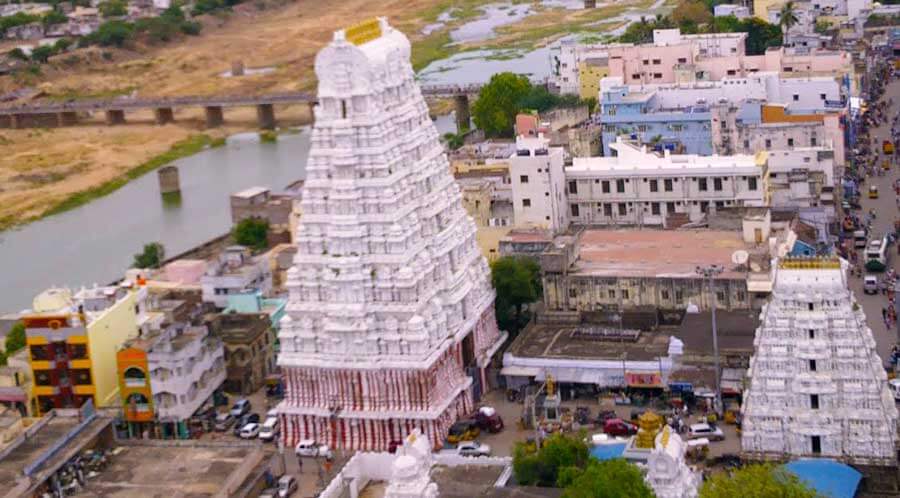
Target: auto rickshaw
[732,411]
[464,430]
[887,147]
[697,449]
[873,191]
[886,165]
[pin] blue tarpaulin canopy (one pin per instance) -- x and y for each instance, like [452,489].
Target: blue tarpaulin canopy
[608,451]
[828,477]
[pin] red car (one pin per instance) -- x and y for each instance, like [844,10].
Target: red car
[619,427]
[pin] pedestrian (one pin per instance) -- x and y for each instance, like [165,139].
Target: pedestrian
[884,314]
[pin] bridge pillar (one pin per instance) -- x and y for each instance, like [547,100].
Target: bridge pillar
[115,117]
[164,115]
[265,115]
[462,113]
[590,4]
[66,118]
[214,116]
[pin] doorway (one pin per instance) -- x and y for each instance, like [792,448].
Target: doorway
[816,445]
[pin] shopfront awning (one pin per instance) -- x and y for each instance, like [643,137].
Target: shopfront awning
[517,371]
[12,394]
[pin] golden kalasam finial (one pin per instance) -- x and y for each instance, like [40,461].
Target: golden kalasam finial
[809,263]
[363,32]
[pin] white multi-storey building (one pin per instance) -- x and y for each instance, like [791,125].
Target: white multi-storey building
[538,184]
[390,319]
[817,386]
[801,177]
[637,187]
[235,272]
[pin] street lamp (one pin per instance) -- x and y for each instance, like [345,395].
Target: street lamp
[708,273]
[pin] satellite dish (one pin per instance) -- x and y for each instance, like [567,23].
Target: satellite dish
[740,257]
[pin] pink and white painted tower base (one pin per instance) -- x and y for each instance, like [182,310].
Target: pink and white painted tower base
[390,317]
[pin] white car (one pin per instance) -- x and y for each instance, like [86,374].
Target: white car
[705,430]
[269,429]
[249,431]
[894,384]
[309,448]
[473,448]
[286,486]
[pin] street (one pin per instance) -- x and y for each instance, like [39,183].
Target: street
[887,212]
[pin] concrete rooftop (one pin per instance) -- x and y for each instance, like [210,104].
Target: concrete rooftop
[554,341]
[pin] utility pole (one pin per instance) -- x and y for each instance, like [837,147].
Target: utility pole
[708,273]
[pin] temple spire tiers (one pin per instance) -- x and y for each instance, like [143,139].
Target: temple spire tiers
[389,323]
[817,386]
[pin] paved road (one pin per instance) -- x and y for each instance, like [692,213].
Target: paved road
[886,209]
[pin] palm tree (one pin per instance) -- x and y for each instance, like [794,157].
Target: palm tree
[787,18]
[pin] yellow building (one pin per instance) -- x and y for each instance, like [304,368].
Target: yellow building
[761,8]
[590,72]
[72,344]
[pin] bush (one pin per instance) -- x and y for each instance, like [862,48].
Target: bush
[151,257]
[54,17]
[15,339]
[42,53]
[543,467]
[252,232]
[113,8]
[112,34]
[17,19]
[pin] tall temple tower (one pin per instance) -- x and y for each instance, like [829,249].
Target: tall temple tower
[817,386]
[390,319]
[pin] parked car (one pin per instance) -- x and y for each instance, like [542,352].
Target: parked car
[240,407]
[287,485]
[268,431]
[603,416]
[489,420]
[464,430]
[710,432]
[224,421]
[894,385]
[619,427]
[249,431]
[473,448]
[870,284]
[250,418]
[309,448]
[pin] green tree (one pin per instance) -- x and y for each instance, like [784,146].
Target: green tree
[112,33]
[251,232]
[691,13]
[454,140]
[54,17]
[608,479]
[591,103]
[17,19]
[787,17]
[17,53]
[517,281]
[756,481]
[15,338]
[822,26]
[498,103]
[3,360]
[543,467]
[42,53]
[113,8]
[151,257]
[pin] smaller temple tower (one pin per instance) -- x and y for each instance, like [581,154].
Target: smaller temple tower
[667,473]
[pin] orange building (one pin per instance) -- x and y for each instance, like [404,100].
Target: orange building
[134,384]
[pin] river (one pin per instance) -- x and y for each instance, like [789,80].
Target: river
[96,242]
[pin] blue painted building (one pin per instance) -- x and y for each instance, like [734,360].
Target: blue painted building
[637,115]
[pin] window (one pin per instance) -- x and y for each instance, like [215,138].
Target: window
[682,60]
[704,206]
[604,185]
[77,351]
[741,296]
[654,208]
[810,306]
[642,128]
[720,296]
[679,296]
[664,294]
[654,185]
[526,203]
[790,142]
[768,143]
[657,62]
[646,62]
[624,293]
[701,184]
[822,96]
[611,293]
[40,352]
[607,210]
[746,144]
[751,183]
[623,210]
[731,72]
[42,378]
[574,208]
[813,142]
[814,401]
[717,184]
[676,127]
[667,185]
[796,97]
[573,292]
[573,187]
[523,178]
[812,365]
[620,186]
[816,444]
[812,334]
[82,376]
[670,207]
[788,69]
[657,76]
[635,76]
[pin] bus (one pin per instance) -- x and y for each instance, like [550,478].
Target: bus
[877,254]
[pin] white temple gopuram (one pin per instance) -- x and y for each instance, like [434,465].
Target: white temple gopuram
[390,317]
[667,472]
[817,386]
